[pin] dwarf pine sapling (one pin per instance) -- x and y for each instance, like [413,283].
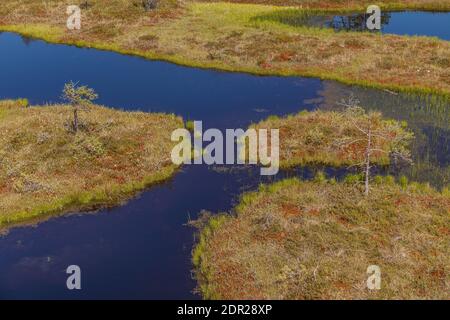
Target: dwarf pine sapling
[372,136]
[80,98]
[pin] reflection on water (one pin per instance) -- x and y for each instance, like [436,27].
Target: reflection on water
[354,22]
[427,116]
[435,24]
[142,249]
[351,22]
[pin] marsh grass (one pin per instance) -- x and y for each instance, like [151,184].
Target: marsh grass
[47,170]
[315,240]
[347,5]
[312,138]
[240,37]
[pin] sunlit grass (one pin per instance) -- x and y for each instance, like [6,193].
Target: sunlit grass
[243,37]
[347,5]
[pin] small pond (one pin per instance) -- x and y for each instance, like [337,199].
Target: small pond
[433,24]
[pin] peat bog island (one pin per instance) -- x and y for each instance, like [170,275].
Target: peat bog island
[225,150]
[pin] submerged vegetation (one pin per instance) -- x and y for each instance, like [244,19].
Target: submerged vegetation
[240,37]
[47,169]
[316,240]
[428,117]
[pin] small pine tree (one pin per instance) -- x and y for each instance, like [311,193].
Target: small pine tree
[80,98]
[374,136]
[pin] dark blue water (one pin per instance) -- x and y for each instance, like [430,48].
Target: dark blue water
[142,249]
[38,71]
[419,23]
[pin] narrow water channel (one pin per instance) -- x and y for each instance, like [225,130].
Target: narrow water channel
[142,249]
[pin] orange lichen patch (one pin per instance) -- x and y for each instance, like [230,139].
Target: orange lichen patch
[341,285]
[290,210]
[445,231]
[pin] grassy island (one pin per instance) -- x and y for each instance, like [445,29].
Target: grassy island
[46,169]
[333,138]
[248,37]
[316,240]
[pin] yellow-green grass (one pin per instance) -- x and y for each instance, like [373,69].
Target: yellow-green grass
[428,5]
[240,37]
[46,169]
[320,137]
[316,240]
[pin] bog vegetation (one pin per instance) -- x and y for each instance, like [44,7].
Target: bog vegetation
[351,4]
[47,168]
[315,240]
[243,37]
[336,138]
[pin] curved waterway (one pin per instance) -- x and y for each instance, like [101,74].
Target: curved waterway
[142,249]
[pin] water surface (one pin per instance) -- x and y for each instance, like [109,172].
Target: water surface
[433,24]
